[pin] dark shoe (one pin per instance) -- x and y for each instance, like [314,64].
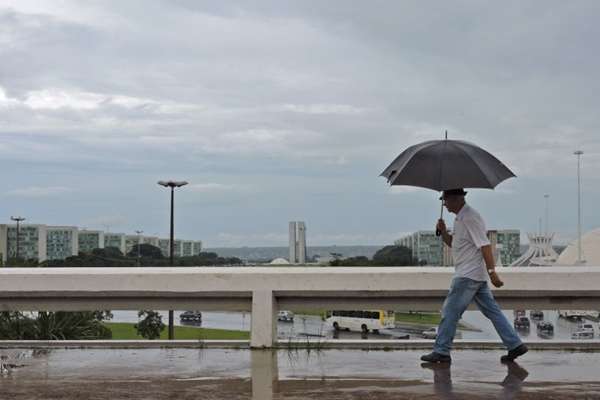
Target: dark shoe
[436,358]
[514,353]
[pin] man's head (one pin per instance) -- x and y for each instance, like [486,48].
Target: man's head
[454,199]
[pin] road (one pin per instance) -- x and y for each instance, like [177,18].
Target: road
[313,326]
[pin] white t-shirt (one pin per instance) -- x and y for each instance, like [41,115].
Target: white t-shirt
[469,235]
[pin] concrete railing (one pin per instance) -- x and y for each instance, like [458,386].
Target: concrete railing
[264,290]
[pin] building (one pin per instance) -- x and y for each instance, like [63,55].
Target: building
[116,240]
[540,252]
[61,242]
[297,242]
[425,245]
[32,242]
[292,242]
[187,248]
[590,251]
[163,245]
[427,248]
[301,244]
[90,240]
[197,247]
[3,244]
[447,260]
[509,246]
[177,248]
[43,242]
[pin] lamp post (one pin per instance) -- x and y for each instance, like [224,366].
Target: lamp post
[172,185]
[139,233]
[579,153]
[18,220]
[546,196]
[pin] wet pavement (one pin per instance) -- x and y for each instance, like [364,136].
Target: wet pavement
[289,374]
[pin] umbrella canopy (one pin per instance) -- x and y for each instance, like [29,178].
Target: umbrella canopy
[446,164]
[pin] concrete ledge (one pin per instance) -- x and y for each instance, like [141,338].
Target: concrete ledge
[459,344]
[265,290]
[231,288]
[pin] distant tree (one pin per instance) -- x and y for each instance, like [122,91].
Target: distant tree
[103,315]
[351,261]
[394,256]
[146,250]
[22,263]
[108,252]
[151,325]
[90,260]
[207,259]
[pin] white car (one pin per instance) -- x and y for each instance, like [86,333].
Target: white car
[285,316]
[582,335]
[430,333]
[586,327]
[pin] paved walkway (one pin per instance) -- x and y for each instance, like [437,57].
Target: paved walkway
[264,375]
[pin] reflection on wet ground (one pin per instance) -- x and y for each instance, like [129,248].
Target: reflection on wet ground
[264,375]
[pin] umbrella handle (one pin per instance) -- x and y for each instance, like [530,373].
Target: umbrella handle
[437,231]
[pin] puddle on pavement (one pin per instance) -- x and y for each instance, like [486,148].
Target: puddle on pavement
[294,374]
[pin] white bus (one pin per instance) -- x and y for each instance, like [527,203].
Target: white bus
[362,320]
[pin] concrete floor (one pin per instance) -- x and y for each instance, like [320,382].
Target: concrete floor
[264,375]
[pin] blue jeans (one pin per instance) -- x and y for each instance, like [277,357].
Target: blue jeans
[462,292]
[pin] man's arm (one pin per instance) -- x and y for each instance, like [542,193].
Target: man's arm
[490,265]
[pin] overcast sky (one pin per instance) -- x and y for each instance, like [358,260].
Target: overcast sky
[289,110]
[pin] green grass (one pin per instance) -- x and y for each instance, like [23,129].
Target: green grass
[426,319]
[419,318]
[318,313]
[126,331]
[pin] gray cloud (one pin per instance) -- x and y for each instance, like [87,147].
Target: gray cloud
[306,100]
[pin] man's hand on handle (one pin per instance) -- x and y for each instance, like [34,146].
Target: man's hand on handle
[441,226]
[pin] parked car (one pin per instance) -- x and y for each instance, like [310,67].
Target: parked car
[285,316]
[586,327]
[430,333]
[522,323]
[536,314]
[582,335]
[545,326]
[191,316]
[574,315]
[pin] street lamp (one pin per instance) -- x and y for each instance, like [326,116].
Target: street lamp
[172,185]
[546,196]
[18,220]
[138,247]
[579,153]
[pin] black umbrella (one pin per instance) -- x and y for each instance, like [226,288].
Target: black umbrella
[446,164]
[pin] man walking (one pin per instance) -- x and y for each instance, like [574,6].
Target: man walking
[474,262]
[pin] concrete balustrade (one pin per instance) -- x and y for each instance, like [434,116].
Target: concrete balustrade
[265,290]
